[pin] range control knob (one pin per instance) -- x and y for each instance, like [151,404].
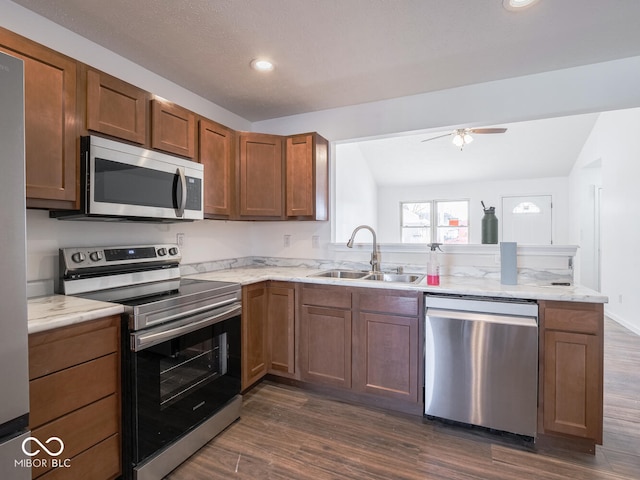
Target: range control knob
[95,256]
[78,257]
[173,251]
[162,252]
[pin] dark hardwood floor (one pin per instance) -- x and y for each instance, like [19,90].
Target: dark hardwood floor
[288,433]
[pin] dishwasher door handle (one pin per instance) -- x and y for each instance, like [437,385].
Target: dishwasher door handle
[483,317]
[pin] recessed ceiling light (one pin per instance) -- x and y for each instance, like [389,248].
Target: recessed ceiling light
[517,5]
[261,65]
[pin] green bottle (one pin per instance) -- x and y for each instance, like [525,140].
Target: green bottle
[489,225]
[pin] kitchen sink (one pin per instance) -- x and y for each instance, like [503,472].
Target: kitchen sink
[379,277]
[353,274]
[394,277]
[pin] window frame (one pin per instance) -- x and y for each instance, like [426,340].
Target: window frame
[433,215]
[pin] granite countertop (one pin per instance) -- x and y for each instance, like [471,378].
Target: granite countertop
[46,313]
[460,285]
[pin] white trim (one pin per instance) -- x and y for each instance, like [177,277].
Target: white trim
[634,328]
[470,249]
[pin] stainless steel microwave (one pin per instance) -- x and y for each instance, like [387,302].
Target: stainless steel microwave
[126,182]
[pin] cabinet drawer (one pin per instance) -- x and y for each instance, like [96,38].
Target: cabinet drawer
[80,429]
[336,297]
[59,393]
[98,463]
[50,352]
[574,318]
[389,302]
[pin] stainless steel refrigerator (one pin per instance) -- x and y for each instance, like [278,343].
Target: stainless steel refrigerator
[14,372]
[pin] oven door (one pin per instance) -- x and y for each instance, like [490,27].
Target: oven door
[180,377]
[127,181]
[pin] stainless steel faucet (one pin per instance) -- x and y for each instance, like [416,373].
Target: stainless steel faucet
[375,264]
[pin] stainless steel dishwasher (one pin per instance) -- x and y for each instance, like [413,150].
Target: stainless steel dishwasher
[481,362]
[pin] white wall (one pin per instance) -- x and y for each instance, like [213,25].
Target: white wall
[584,178]
[613,143]
[203,241]
[355,192]
[491,193]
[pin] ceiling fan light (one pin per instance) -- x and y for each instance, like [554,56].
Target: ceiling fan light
[458,140]
[467,138]
[517,5]
[261,65]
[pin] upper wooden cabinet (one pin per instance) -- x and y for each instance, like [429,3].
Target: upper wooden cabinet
[173,128]
[571,371]
[51,125]
[276,187]
[248,176]
[260,176]
[116,108]
[307,179]
[217,154]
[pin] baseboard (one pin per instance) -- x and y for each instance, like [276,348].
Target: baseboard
[616,318]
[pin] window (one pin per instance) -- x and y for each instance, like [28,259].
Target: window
[526,208]
[441,221]
[416,222]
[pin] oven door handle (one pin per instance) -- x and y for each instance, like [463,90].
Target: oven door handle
[149,319]
[141,341]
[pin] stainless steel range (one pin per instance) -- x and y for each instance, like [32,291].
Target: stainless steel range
[181,350]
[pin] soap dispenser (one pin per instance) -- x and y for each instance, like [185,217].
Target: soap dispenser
[433,264]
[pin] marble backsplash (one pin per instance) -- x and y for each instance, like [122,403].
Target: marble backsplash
[527,275]
[532,269]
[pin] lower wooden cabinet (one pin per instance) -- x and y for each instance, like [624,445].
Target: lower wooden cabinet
[268,331]
[364,340]
[281,328]
[325,346]
[74,387]
[571,370]
[387,343]
[254,333]
[386,362]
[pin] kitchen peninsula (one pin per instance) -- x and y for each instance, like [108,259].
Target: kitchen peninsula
[286,307]
[288,302]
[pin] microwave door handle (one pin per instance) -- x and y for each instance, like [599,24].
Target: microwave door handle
[183,199]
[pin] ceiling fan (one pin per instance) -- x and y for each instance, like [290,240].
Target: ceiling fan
[462,136]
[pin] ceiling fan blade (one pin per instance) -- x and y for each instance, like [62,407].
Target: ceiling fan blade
[439,136]
[487,130]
